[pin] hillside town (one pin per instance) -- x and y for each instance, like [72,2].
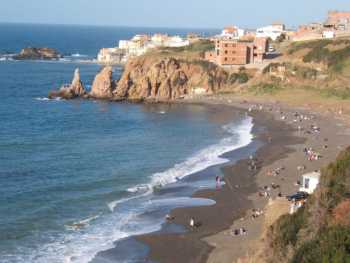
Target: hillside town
[235,46]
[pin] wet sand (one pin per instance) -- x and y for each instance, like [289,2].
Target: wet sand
[212,241]
[231,200]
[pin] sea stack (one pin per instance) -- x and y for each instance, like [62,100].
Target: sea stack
[77,86]
[103,85]
[74,90]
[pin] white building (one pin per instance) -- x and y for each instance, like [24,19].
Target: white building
[272,31]
[138,46]
[176,41]
[328,34]
[310,182]
[232,32]
[111,56]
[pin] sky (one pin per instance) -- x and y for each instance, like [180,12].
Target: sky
[166,13]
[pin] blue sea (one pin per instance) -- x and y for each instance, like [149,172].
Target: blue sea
[76,176]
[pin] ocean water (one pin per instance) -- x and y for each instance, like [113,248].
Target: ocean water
[76,176]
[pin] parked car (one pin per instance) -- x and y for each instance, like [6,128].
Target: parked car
[297,196]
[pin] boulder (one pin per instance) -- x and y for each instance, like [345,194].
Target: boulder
[103,86]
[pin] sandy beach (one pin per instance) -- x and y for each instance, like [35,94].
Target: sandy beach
[287,131]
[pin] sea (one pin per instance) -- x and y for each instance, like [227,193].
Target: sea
[78,176]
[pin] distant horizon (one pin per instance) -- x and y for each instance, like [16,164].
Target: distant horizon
[167,13]
[131,26]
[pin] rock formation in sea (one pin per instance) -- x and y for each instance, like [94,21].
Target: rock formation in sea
[38,53]
[153,79]
[164,79]
[74,90]
[103,85]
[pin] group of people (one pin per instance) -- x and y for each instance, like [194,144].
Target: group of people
[275,171]
[311,154]
[252,163]
[239,232]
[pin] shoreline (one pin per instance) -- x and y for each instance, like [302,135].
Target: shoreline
[212,241]
[221,116]
[231,202]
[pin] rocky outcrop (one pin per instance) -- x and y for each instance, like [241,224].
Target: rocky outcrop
[103,86]
[168,79]
[74,90]
[38,53]
[152,79]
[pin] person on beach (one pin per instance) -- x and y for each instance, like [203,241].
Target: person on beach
[218,182]
[192,225]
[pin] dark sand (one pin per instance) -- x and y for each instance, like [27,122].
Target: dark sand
[231,201]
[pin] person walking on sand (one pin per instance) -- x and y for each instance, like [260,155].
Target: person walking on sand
[192,222]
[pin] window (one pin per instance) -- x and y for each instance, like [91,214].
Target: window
[225,59]
[233,52]
[226,51]
[226,45]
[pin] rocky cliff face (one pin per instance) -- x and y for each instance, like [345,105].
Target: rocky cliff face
[103,85]
[74,90]
[38,53]
[152,79]
[168,79]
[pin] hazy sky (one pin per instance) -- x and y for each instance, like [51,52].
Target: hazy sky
[166,13]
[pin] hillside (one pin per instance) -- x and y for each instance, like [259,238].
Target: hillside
[322,66]
[320,231]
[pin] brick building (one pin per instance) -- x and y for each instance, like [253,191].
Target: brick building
[338,20]
[235,52]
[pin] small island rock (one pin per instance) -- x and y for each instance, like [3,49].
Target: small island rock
[32,53]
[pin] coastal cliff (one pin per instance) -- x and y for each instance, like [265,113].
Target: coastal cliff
[169,79]
[166,74]
[153,79]
[32,53]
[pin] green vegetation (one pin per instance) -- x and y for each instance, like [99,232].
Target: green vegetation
[320,52]
[240,77]
[315,44]
[315,233]
[331,245]
[266,88]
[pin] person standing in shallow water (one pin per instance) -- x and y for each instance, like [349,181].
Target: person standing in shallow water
[218,182]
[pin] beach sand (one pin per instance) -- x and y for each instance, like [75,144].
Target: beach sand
[212,240]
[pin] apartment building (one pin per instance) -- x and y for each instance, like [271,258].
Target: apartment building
[234,52]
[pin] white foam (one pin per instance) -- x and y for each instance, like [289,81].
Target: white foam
[47,99]
[112,205]
[209,156]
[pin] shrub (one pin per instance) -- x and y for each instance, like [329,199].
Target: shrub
[330,245]
[286,229]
